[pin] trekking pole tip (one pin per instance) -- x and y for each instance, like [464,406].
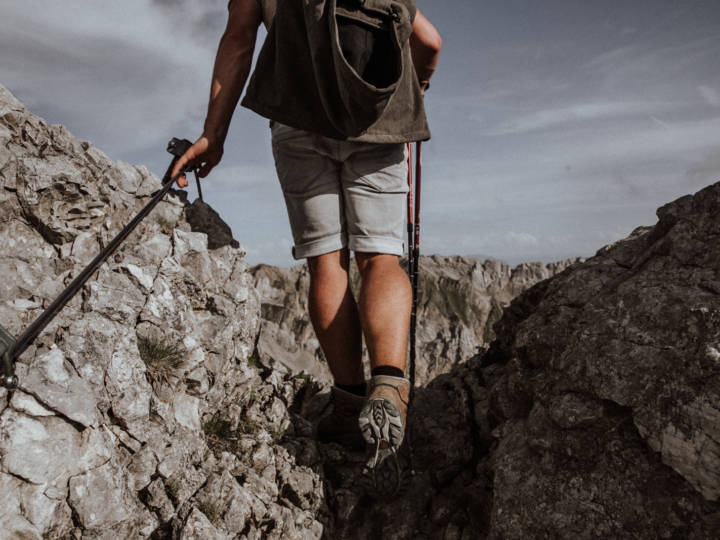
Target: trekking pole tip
[10,382]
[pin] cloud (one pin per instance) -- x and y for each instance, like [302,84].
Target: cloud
[655,54]
[710,95]
[652,144]
[579,113]
[658,121]
[123,74]
[515,246]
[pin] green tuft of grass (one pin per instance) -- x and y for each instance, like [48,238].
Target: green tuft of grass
[221,437]
[161,357]
[254,360]
[166,225]
[173,489]
[218,427]
[210,511]
[248,427]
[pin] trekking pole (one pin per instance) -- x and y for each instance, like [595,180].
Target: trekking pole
[414,260]
[11,349]
[410,212]
[413,230]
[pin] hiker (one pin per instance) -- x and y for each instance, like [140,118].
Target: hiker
[343,173]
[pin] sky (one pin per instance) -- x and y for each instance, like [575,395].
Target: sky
[557,126]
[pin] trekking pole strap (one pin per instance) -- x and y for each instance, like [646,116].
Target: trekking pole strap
[197,181]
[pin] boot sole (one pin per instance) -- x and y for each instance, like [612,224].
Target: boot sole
[381,424]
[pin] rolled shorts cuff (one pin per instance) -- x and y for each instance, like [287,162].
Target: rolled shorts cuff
[318,247]
[376,244]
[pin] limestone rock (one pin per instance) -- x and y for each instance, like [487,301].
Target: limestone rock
[117,506]
[124,397]
[61,388]
[199,527]
[158,500]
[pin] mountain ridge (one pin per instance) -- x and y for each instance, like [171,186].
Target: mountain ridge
[459,299]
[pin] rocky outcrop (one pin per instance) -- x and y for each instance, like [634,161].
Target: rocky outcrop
[286,335]
[611,384]
[140,411]
[459,300]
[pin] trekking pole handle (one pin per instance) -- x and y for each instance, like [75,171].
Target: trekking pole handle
[178,147]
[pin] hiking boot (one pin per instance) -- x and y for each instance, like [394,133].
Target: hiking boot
[382,419]
[341,425]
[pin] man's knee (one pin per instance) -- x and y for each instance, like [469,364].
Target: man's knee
[368,261]
[328,264]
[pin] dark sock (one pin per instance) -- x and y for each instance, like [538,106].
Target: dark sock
[357,389]
[388,370]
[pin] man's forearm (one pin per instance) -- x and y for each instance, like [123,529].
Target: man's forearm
[232,67]
[425,44]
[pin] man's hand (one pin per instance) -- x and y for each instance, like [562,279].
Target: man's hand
[203,154]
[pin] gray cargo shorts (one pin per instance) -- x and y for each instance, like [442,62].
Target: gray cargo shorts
[341,193]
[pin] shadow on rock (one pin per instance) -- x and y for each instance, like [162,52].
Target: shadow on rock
[441,494]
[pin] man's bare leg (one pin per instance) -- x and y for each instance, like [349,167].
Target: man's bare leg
[334,315]
[383,309]
[384,303]
[384,312]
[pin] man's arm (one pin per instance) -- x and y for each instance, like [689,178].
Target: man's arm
[232,67]
[425,45]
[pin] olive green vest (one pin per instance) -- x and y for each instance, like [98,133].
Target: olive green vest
[303,80]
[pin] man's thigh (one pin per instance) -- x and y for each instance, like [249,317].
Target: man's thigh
[375,186]
[310,181]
